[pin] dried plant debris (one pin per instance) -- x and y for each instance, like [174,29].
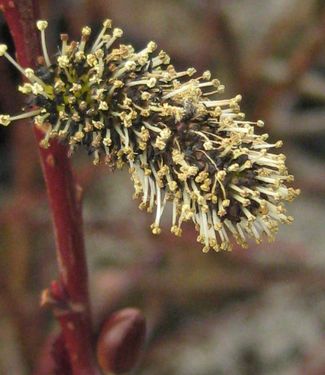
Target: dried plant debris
[180,144]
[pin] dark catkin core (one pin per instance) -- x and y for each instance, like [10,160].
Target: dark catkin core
[181,145]
[180,130]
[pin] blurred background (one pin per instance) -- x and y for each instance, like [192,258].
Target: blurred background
[250,312]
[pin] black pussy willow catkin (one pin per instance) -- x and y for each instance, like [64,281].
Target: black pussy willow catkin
[181,145]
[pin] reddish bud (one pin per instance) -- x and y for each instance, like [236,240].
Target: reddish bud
[57,291]
[121,341]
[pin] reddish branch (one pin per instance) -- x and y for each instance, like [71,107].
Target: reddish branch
[70,294]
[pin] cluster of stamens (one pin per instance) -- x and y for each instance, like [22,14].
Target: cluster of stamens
[180,144]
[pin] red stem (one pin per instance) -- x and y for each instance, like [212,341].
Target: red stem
[64,199]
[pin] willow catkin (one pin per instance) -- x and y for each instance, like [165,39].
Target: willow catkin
[180,144]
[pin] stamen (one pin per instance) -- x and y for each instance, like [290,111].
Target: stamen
[107,24]
[3,52]
[64,39]
[85,33]
[42,25]
[5,120]
[117,33]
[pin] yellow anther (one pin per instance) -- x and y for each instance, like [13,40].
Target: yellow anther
[41,25]
[3,49]
[4,120]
